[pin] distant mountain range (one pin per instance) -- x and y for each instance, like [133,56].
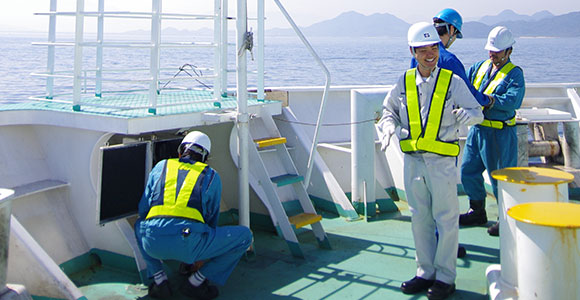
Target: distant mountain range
[354,24]
[510,15]
[541,24]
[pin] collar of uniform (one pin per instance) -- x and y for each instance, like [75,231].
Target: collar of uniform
[492,71]
[419,78]
[187,159]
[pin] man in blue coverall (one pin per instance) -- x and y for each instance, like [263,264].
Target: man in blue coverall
[493,144]
[178,216]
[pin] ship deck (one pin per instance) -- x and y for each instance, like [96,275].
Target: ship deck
[368,260]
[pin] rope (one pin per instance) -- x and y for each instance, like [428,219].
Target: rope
[333,124]
[248,44]
[193,69]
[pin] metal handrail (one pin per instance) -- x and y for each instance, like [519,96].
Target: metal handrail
[129,15]
[154,44]
[324,94]
[130,44]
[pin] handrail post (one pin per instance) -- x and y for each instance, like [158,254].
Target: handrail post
[99,59]
[260,50]
[217,35]
[51,50]
[78,55]
[154,59]
[324,94]
[224,49]
[243,118]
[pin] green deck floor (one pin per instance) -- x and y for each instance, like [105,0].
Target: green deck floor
[369,260]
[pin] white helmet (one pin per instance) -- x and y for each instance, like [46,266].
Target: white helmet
[422,34]
[195,138]
[500,38]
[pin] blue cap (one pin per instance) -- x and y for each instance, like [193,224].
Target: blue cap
[452,17]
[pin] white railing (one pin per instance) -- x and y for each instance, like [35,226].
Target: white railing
[324,94]
[154,80]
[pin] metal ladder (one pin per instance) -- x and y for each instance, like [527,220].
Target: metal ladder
[276,181]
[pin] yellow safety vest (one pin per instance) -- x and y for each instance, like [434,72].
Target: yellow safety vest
[495,81]
[180,204]
[427,140]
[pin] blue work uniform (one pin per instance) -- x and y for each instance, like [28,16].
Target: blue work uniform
[490,148]
[449,61]
[188,240]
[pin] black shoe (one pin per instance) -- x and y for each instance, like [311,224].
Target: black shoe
[204,291]
[461,252]
[415,285]
[440,290]
[162,291]
[473,218]
[493,230]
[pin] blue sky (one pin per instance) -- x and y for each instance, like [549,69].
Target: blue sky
[305,12]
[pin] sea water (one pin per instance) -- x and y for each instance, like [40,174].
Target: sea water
[351,61]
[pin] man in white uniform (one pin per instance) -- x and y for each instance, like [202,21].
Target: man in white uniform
[427,106]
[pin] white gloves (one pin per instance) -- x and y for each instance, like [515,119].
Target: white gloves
[462,116]
[385,131]
[468,117]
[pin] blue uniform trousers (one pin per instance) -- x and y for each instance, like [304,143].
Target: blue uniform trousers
[189,241]
[488,149]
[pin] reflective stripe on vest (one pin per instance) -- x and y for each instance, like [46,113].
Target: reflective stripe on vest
[177,204]
[427,140]
[495,81]
[497,78]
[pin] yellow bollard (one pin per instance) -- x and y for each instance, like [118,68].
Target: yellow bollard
[515,186]
[548,249]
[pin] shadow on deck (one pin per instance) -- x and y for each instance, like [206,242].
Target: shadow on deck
[368,260]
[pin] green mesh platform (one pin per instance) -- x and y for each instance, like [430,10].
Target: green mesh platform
[136,105]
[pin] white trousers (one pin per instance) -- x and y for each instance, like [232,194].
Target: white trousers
[431,189]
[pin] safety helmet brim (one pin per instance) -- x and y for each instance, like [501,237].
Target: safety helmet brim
[491,47]
[422,44]
[458,33]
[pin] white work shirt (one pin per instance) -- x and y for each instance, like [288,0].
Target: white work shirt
[458,95]
[431,179]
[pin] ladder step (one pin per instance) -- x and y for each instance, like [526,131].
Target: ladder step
[287,179]
[266,142]
[304,219]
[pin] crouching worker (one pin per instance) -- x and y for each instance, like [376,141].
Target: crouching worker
[428,104]
[178,215]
